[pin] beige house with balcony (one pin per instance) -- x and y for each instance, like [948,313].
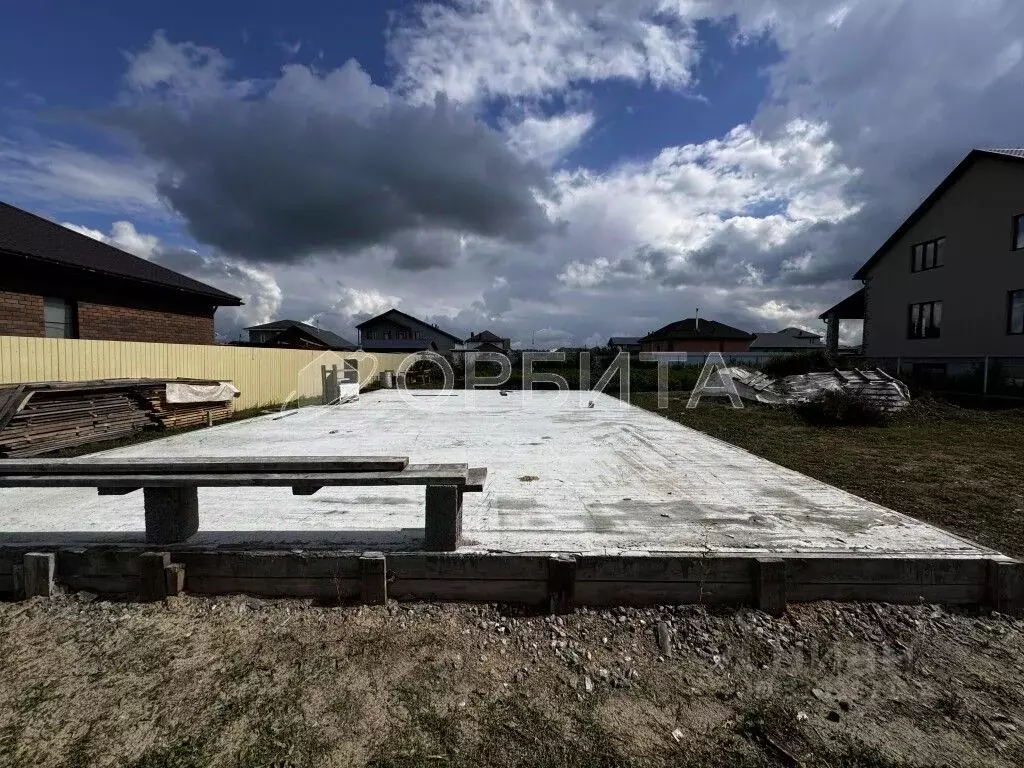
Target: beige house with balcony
[950,281]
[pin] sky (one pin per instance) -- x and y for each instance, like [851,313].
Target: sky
[556,171]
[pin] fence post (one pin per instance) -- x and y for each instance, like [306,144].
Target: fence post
[984,378]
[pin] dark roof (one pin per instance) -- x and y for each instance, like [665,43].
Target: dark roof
[850,308]
[1012,155]
[395,345]
[623,341]
[400,314]
[486,336]
[329,339]
[28,235]
[694,328]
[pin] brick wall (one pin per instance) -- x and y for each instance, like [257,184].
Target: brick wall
[21,314]
[697,345]
[103,321]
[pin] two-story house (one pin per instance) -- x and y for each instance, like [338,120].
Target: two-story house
[395,331]
[950,281]
[486,341]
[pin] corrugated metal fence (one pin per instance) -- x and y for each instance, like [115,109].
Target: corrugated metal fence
[265,376]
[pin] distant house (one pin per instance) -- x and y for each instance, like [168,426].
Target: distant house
[395,331]
[950,280]
[787,340]
[58,283]
[297,335]
[485,341]
[625,343]
[697,335]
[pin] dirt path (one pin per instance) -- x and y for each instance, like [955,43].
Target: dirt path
[244,682]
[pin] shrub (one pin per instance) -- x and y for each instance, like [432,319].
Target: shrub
[842,409]
[798,364]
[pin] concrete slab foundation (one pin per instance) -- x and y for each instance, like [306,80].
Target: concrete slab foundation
[562,477]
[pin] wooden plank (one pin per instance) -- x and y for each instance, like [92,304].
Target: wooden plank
[414,565]
[946,594]
[206,466]
[6,584]
[306,565]
[373,578]
[118,585]
[152,577]
[37,574]
[415,474]
[323,589]
[494,590]
[10,401]
[869,570]
[561,584]
[606,593]
[98,562]
[475,479]
[770,585]
[625,568]
[1005,587]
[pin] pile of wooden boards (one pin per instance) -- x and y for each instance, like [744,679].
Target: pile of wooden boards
[174,415]
[41,417]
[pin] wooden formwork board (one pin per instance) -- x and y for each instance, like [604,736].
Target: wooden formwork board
[604,580]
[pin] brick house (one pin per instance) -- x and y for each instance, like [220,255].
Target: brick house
[56,282]
[696,335]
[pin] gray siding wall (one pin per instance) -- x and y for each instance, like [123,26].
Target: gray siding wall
[975,216]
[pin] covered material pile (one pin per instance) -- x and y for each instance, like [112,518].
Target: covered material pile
[40,417]
[874,385]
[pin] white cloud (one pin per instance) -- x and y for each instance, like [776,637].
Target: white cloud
[548,139]
[58,175]
[477,49]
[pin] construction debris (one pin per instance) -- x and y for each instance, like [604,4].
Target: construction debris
[40,417]
[887,392]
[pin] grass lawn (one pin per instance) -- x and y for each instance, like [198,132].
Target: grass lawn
[957,468]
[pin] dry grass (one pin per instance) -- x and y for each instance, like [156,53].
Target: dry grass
[238,682]
[953,467]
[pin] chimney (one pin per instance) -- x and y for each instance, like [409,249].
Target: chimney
[696,320]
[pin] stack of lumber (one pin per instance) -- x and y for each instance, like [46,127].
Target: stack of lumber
[50,420]
[40,417]
[174,415]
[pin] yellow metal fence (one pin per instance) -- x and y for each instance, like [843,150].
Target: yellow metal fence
[265,376]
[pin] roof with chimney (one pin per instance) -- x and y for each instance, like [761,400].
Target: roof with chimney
[31,237]
[697,328]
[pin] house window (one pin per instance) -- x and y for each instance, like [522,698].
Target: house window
[1015,312]
[1018,232]
[58,318]
[925,320]
[928,255]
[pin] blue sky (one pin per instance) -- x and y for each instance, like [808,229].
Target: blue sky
[566,170]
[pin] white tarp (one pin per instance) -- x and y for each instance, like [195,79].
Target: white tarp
[183,392]
[872,384]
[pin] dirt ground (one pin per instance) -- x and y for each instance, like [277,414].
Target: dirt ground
[245,682]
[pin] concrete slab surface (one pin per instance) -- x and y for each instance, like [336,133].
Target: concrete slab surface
[567,472]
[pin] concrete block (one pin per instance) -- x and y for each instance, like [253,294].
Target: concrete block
[373,578]
[174,579]
[443,527]
[770,585]
[152,575]
[37,573]
[561,584]
[1006,587]
[172,514]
